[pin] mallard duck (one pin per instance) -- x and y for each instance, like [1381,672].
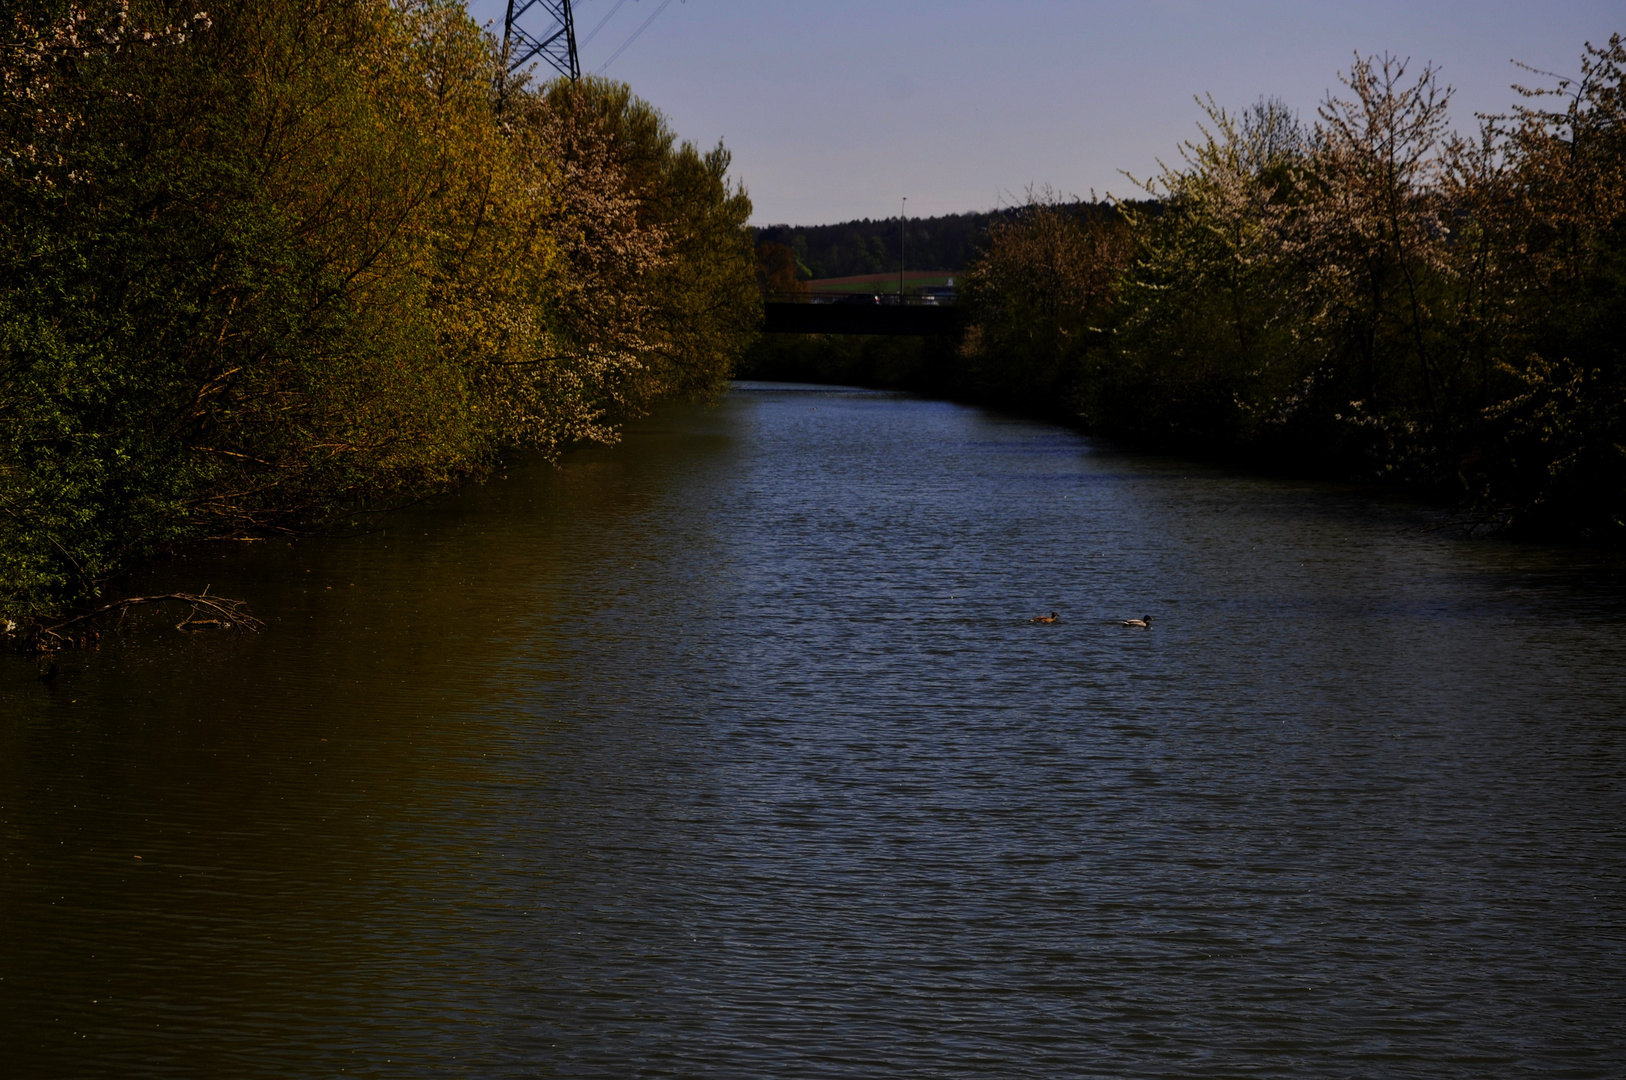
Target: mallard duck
[1142,623]
[1050,618]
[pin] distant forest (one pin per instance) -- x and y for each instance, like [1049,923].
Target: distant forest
[947,243]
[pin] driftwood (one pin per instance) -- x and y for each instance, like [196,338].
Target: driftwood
[204,612]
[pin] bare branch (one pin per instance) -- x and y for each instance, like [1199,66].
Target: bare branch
[204,611]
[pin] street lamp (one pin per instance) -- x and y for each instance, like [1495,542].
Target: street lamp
[903,215]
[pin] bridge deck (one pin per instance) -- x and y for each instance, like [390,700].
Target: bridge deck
[895,319]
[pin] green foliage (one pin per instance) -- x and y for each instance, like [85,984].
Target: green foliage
[1551,325]
[1044,278]
[1372,297]
[949,242]
[708,305]
[1201,317]
[265,268]
[662,264]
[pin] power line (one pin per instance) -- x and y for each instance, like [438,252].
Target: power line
[603,22]
[635,34]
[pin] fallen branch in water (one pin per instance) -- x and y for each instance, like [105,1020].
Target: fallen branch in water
[205,612]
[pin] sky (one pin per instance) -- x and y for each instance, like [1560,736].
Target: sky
[836,109]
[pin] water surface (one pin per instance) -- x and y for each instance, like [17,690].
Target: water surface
[730,751]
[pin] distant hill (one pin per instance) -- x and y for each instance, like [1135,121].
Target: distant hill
[945,244]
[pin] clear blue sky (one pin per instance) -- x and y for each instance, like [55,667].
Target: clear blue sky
[835,108]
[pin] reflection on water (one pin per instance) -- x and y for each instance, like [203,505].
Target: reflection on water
[730,751]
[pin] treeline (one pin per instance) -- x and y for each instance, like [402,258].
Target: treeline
[265,268]
[1367,295]
[947,243]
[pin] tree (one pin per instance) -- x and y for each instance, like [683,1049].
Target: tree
[1032,294]
[1372,236]
[1555,453]
[262,271]
[1207,350]
[776,270]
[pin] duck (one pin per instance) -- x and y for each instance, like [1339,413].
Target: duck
[1144,623]
[1050,618]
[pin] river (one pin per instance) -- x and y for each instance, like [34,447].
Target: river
[731,751]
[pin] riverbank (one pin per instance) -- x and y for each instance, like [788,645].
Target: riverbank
[285,264]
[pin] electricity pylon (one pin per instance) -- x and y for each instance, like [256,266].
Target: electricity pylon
[553,37]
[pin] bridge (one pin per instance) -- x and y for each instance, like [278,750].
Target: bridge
[858,313]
